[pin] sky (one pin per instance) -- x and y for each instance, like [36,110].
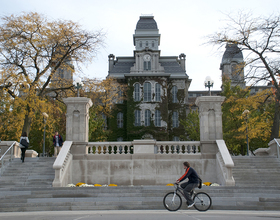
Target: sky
[184,26]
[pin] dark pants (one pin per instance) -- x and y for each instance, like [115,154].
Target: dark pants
[23,153]
[188,187]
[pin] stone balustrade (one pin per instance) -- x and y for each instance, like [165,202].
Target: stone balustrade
[144,146]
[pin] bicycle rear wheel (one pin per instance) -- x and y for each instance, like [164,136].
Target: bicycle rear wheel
[172,201]
[202,201]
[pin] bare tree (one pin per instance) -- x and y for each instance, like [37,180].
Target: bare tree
[33,49]
[259,39]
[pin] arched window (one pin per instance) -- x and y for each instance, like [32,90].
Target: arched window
[147,92]
[175,119]
[157,91]
[174,94]
[137,121]
[147,117]
[120,120]
[137,92]
[157,119]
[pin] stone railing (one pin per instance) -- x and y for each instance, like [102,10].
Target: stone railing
[224,164]
[62,166]
[110,148]
[144,146]
[177,147]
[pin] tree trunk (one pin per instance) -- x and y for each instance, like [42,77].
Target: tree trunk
[27,122]
[275,126]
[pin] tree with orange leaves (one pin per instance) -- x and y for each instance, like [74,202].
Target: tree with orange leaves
[32,50]
[259,39]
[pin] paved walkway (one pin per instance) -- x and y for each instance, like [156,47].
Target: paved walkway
[141,214]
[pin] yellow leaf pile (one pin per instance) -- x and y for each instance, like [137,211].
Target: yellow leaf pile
[170,184]
[79,184]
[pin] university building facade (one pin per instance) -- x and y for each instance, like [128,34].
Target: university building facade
[157,89]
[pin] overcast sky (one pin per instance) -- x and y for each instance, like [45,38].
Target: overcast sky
[183,26]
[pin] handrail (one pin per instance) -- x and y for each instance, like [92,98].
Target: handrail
[2,157]
[7,150]
[278,146]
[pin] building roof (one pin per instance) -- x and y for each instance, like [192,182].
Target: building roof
[172,67]
[146,22]
[232,53]
[122,67]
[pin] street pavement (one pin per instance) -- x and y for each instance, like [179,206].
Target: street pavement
[142,214]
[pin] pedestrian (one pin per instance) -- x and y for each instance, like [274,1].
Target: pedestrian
[23,144]
[193,182]
[57,143]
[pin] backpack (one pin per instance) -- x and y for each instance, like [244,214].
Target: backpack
[24,142]
[199,183]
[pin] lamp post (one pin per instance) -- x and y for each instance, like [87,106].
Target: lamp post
[45,117]
[245,113]
[208,82]
[78,84]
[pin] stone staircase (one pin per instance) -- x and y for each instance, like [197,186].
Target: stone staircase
[27,187]
[256,171]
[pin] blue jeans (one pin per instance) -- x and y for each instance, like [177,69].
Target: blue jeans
[188,187]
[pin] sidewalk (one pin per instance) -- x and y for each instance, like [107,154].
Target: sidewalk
[141,214]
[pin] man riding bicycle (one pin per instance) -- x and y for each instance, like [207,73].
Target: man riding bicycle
[191,184]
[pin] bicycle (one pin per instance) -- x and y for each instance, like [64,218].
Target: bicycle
[172,201]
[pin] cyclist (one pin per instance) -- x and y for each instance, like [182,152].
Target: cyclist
[192,183]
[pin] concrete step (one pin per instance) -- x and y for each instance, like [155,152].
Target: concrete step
[145,197]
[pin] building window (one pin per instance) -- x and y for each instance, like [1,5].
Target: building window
[157,119]
[175,119]
[153,44]
[140,44]
[174,94]
[147,44]
[137,92]
[147,92]
[120,97]
[147,65]
[137,121]
[119,139]
[147,117]
[158,91]
[105,121]
[120,120]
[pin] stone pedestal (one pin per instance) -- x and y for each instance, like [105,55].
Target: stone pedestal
[210,117]
[77,118]
[144,146]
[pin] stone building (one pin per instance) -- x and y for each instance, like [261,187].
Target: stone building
[157,89]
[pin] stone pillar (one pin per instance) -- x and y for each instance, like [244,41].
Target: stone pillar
[210,117]
[77,118]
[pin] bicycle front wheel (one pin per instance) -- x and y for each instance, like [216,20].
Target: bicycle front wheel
[172,201]
[202,201]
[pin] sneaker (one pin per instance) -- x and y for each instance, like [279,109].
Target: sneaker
[191,205]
